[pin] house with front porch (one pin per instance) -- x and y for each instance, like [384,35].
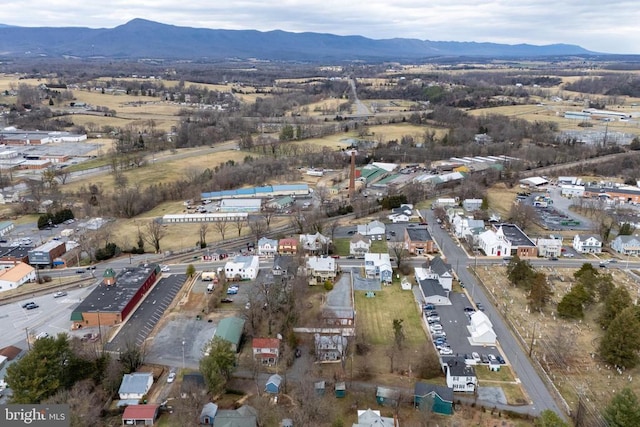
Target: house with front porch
[460,376]
[587,244]
[267,247]
[321,269]
[288,246]
[330,348]
[378,266]
[283,266]
[266,351]
[314,243]
[626,245]
[359,245]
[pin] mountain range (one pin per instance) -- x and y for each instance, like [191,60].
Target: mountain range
[141,38]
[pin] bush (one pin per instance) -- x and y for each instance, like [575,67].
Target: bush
[328,286]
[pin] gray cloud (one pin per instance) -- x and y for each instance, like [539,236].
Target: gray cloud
[610,27]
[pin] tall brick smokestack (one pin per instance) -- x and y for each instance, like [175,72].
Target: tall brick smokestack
[352,175]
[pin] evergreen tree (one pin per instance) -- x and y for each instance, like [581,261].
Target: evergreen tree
[540,292]
[623,410]
[614,303]
[620,344]
[548,418]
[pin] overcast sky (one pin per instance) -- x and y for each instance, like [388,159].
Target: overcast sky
[611,26]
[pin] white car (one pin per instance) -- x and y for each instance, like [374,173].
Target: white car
[435,327]
[476,357]
[60,294]
[172,377]
[165,269]
[446,351]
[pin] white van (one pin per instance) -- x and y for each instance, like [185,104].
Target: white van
[210,287]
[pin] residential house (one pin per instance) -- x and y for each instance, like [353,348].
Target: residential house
[135,385]
[470,205]
[359,245]
[445,203]
[244,416]
[374,228]
[587,244]
[549,248]
[439,397]
[404,213]
[283,266]
[266,351]
[314,243]
[481,329]
[273,384]
[431,290]
[371,418]
[16,276]
[494,243]
[465,227]
[626,245]
[140,415]
[460,376]
[418,241]
[442,271]
[267,247]
[288,246]
[378,266]
[321,269]
[242,268]
[230,329]
[330,348]
[387,396]
[398,218]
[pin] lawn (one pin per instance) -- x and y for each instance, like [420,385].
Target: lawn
[376,315]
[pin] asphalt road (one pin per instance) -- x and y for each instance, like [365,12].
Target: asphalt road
[537,391]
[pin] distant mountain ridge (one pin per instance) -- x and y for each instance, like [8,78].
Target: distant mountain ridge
[141,38]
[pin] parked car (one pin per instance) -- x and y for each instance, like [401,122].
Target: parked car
[32,306]
[435,327]
[172,377]
[445,351]
[484,358]
[433,319]
[429,307]
[442,345]
[60,294]
[226,300]
[501,360]
[80,271]
[431,313]
[476,357]
[91,267]
[438,334]
[480,306]
[232,290]
[492,359]
[469,309]
[26,304]
[298,353]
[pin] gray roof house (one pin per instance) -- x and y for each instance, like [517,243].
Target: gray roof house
[135,385]
[626,245]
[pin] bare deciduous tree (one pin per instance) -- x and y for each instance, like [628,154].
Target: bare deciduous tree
[202,231]
[221,227]
[153,234]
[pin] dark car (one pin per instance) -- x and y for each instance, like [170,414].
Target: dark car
[226,300]
[298,352]
[469,309]
[501,360]
[484,358]
[91,267]
[429,307]
[80,271]
[480,306]
[26,304]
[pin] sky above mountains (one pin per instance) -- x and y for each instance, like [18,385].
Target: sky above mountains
[608,27]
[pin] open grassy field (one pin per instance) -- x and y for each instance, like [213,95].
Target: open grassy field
[375,316]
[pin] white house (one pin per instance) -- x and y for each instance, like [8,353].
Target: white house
[242,267]
[460,376]
[549,247]
[494,243]
[359,245]
[626,245]
[321,269]
[330,348]
[267,247]
[399,217]
[378,266]
[587,244]
[471,205]
[373,228]
[442,272]
[314,243]
[481,329]
[266,350]
[135,385]
[371,418]
[16,276]
[430,288]
[464,227]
